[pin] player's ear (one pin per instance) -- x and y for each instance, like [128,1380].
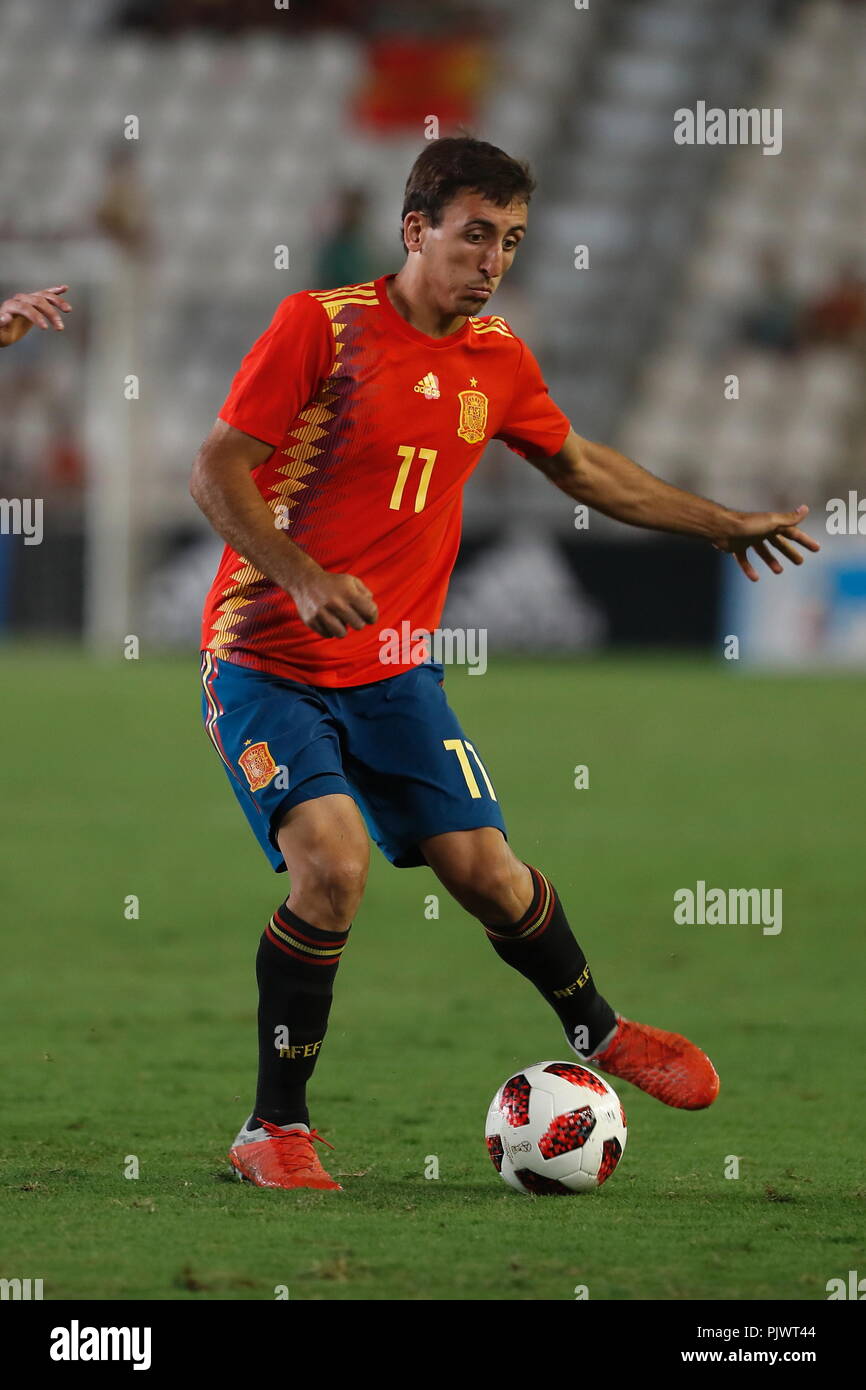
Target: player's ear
[414,227]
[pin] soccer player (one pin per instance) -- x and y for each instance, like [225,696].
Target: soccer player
[334,473]
[24,310]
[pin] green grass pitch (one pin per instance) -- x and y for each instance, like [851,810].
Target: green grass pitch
[136,1037]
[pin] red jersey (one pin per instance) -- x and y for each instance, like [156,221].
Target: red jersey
[376,428]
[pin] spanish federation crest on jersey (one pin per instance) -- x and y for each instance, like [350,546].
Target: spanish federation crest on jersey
[473,416]
[258,765]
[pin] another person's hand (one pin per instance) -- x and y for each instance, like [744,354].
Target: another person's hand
[22,311]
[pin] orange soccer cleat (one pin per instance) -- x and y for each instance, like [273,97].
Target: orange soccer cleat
[283,1157]
[664,1065]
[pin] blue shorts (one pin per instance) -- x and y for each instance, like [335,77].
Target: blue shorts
[394,745]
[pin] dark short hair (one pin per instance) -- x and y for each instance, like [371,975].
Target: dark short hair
[458,162]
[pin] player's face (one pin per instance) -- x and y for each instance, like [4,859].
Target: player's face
[470,251]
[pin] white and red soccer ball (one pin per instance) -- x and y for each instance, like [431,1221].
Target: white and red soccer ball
[555,1127]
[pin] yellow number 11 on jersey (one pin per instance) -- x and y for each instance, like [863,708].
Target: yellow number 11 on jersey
[407,453]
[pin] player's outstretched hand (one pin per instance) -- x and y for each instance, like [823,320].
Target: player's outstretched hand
[332,603]
[760,529]
[21,311]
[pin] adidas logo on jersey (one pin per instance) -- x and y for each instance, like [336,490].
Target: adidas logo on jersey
[428,387]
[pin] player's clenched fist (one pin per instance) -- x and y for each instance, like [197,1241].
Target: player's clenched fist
[332,603]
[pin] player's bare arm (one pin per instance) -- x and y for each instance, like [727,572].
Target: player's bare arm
[41,308]
[606,480]
[223,488]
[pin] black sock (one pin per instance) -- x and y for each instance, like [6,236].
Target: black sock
[542,947]
[295,968]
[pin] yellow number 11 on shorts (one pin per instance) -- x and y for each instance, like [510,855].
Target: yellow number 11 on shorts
[459,746]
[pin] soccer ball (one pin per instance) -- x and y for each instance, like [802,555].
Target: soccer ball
[555,1127]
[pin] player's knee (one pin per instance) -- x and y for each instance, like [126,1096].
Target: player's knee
[482,877]
[343,883]
[327,853]
[489,894]
[328,893]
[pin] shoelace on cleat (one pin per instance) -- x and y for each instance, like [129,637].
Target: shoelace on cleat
[299,1159]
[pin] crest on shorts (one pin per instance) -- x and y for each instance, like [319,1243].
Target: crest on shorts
[473,416]
[258,765]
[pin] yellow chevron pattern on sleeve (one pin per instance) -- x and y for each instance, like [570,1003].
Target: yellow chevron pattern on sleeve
[293,476]
[493,324]
[364,293]
[334,301]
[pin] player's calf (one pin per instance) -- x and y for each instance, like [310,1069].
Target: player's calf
[527,927]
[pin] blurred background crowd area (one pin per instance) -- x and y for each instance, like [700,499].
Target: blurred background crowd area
[259,126]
